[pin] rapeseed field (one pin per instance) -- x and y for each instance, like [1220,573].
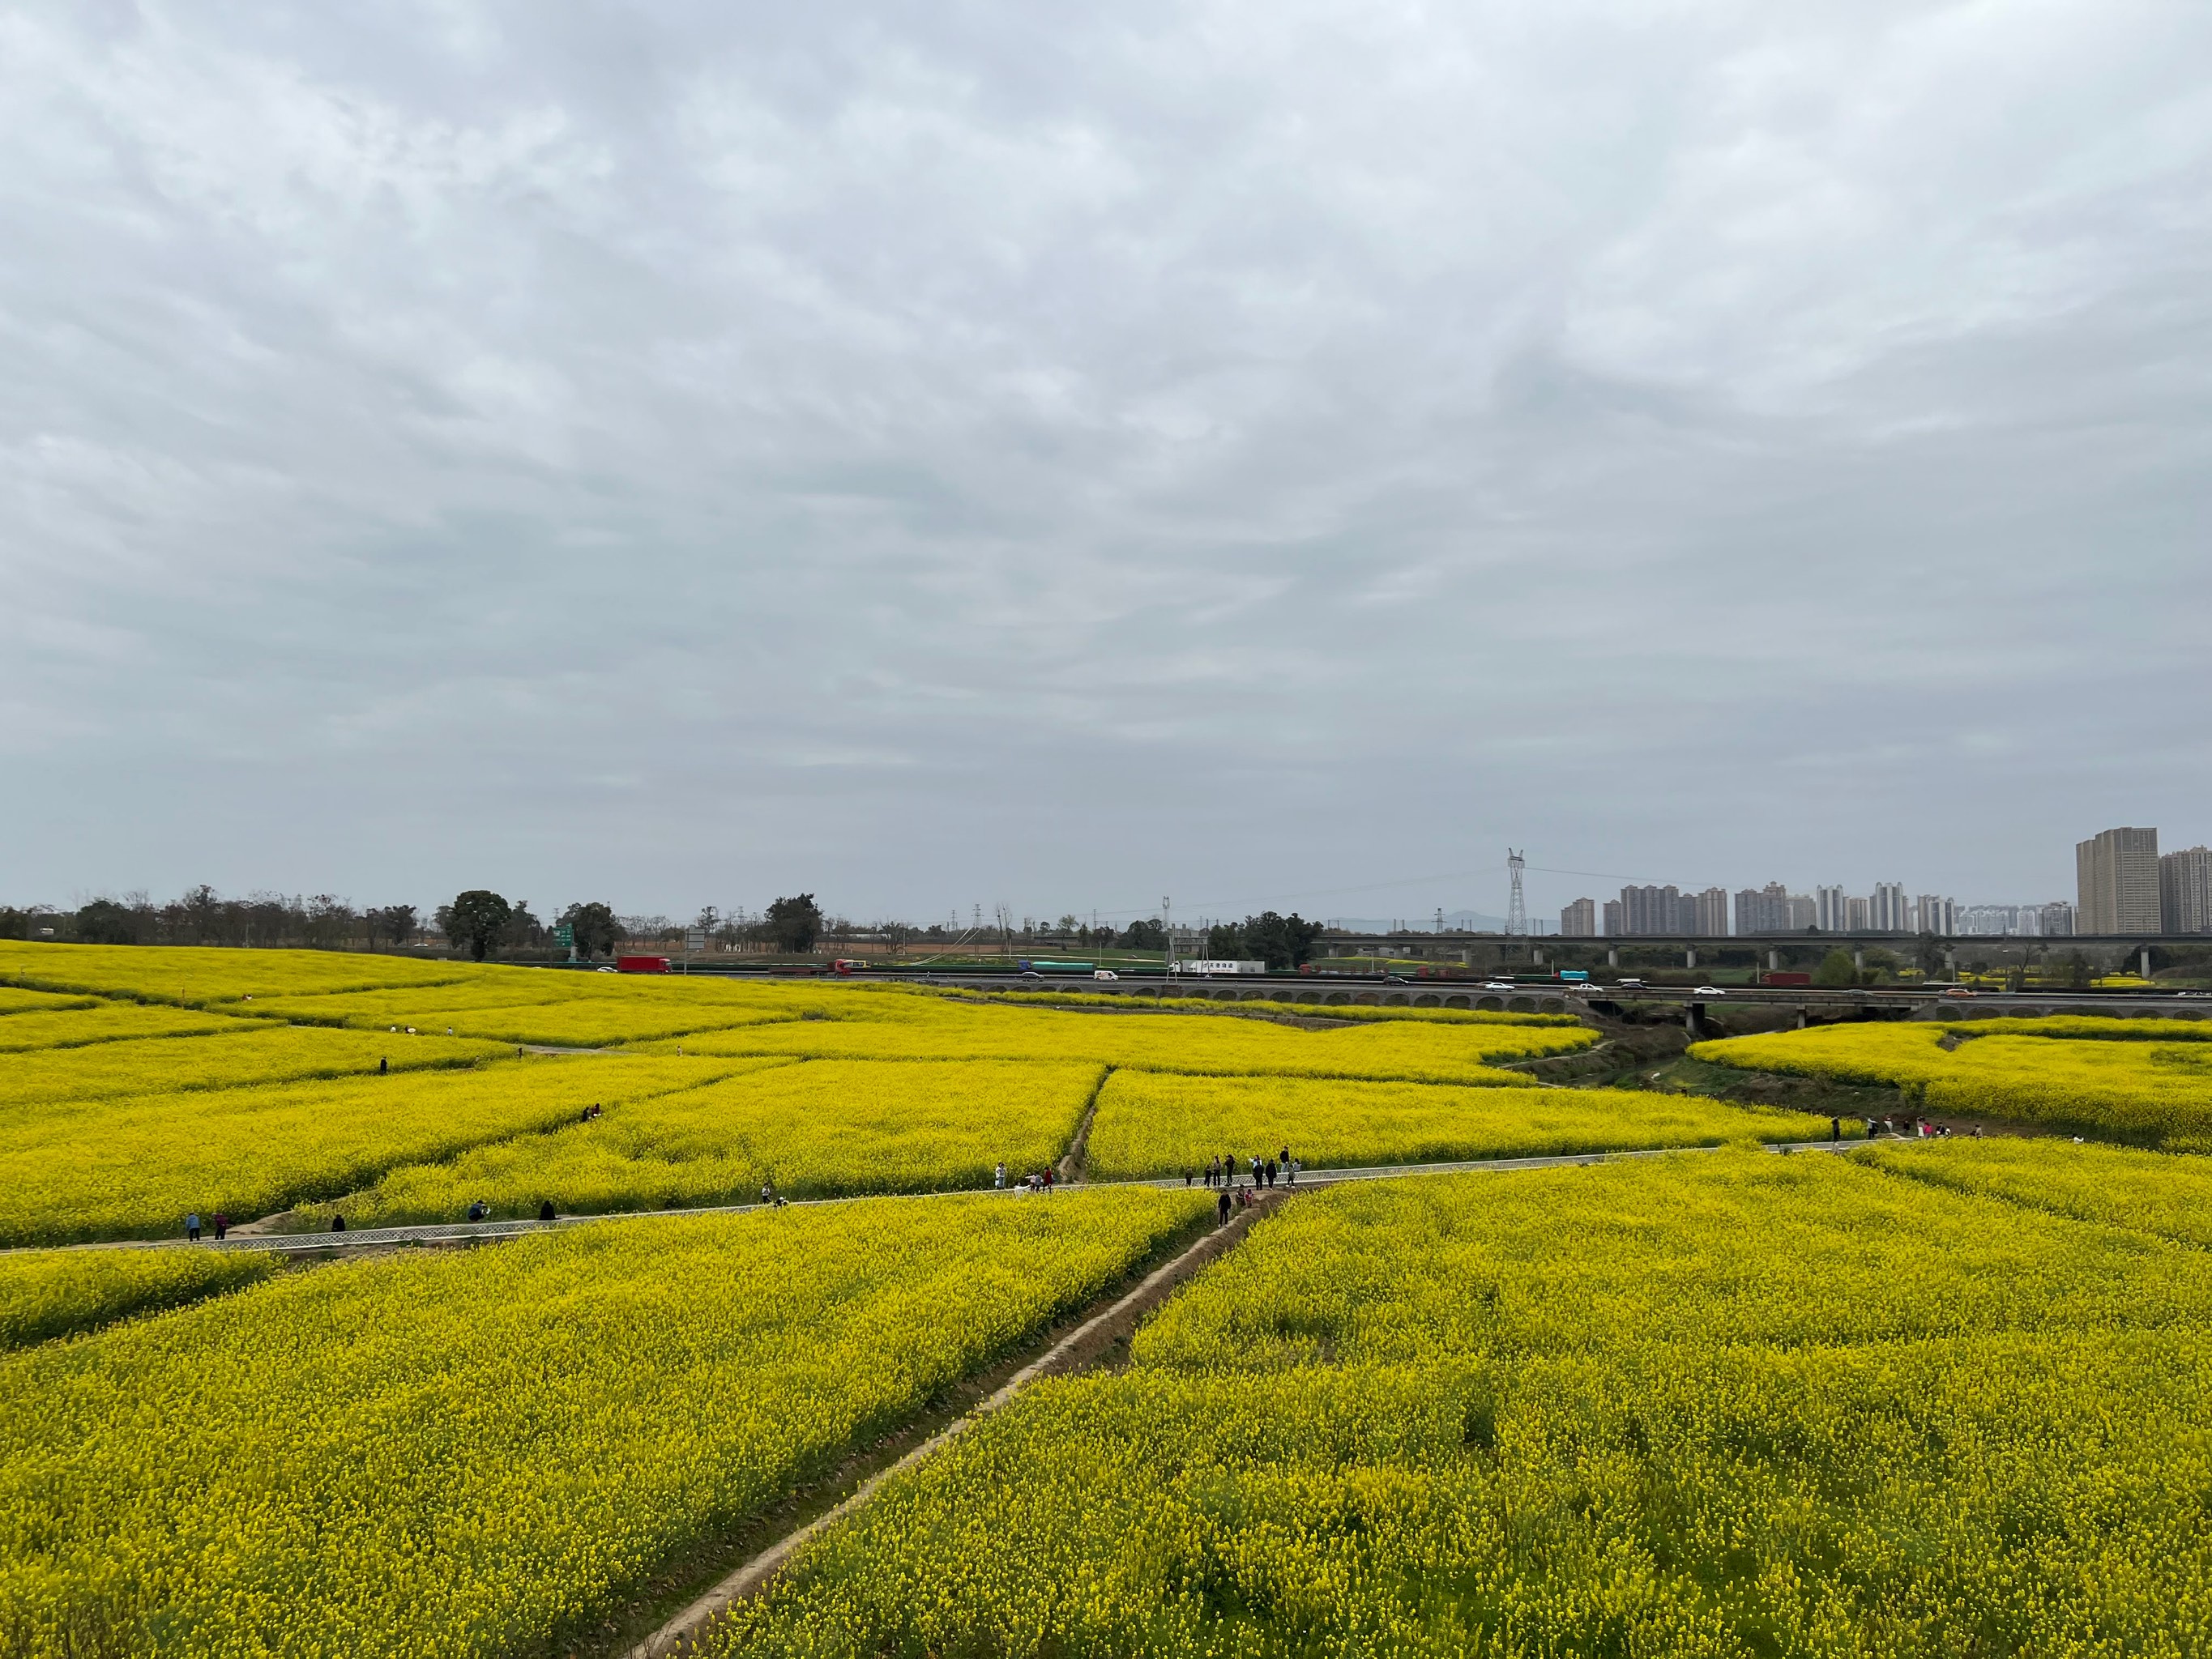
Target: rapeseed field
[53,1079]
[195,974]
[810,1129]
[2146,1090]
[133,1167]
[46,1294]
[71,1028]
[1155,1123]
[1219,1046]
[2169,1194]
[1736,1404]
[491,1452]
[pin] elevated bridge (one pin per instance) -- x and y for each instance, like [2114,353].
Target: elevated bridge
[1813,1005]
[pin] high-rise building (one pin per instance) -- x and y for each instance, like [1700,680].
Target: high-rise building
[1886,910]
[2054,921]
[2118,873]
[2184,892]
[1764,911]
[1653,910]
[1712,913]
[1830,915]
[1857,916]
[1804,912]
[1934,914]
[1613,919]
[1579,920]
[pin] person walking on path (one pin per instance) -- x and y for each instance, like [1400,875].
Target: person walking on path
[1221,1206]
[998,1177]
[337,1224]
[1835,1129]
[193,1227]
[222,1225]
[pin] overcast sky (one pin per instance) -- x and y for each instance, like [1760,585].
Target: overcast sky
[1060,455]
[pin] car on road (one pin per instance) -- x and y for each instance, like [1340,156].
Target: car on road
[1959,991]
[1709,991]
[1105,973]
[1500,985]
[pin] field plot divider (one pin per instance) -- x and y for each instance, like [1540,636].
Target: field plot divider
[462,1233]
[681,1634]
[1079,1144]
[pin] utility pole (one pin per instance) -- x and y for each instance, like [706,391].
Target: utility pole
[1167,927]
[1517,909]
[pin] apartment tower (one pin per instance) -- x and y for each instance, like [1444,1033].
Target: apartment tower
[2184,892]
[2117,872]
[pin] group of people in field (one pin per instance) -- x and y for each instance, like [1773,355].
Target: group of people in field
[1260,1172]
[1263,1170]
[1915,1128]
[1037,1181]
[192,1226]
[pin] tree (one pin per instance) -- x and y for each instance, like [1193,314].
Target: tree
[1837,968]
[1145,936]
[1281,941]
[1224,942]
[395,923]
[794,924]
[523,930]
[476,919]
[597,932]
[104,921]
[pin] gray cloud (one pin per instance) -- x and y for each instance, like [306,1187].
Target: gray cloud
[1055,455]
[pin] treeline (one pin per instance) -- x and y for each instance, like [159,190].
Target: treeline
[486,924]
[479,922]
[203,916]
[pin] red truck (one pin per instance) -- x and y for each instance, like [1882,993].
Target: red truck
[1785,976]
[641,964]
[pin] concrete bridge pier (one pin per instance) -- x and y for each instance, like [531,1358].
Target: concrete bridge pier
[1774,962]
[2146,962]
[1802,1018]
[1858,957]
[1689,956]
[1613,956]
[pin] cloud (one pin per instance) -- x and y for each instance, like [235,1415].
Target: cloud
[1044,455]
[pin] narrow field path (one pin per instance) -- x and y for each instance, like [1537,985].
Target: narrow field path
[1079,1350]
[463,1232]
[1070,1169]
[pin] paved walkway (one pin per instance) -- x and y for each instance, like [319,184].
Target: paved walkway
[476,1231]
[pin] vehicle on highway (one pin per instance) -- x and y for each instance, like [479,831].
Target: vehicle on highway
[1105,973]
[1960,991]
[1500,985]
[1633,984]
[1709,991]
